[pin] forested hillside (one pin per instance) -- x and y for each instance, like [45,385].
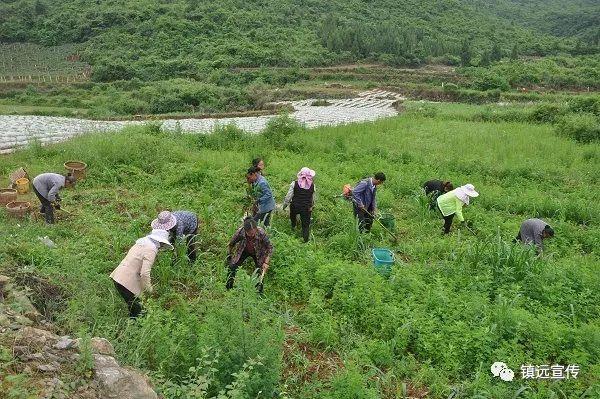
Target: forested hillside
[153,40]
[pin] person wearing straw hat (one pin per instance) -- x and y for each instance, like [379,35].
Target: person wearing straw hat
[185,227]
[46,187]
[301,199]
[452,202]
[132,277]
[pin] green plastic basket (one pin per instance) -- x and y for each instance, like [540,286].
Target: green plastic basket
[383,259]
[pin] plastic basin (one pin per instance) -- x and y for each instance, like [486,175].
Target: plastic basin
[383,259]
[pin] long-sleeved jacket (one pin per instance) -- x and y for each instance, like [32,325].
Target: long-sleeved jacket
[262,245]
[48,184]
[531,232]
[133,272]
[450,204]
[264,195]
[187,223]
[364,194]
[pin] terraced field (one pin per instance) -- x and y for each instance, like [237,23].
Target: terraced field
[30,63]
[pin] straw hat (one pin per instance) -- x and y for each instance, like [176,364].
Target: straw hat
[165,221]
[161,236]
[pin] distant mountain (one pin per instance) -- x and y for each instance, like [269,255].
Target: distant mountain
[151,39]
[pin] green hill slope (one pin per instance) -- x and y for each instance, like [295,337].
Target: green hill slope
[151,39]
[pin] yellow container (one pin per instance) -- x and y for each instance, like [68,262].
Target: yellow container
[22,185]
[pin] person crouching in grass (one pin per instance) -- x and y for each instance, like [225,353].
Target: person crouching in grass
[46,187]
[452,202]
[132,276]
[435,188]
[249,241]
[301,199]
[185,228]
[534,231]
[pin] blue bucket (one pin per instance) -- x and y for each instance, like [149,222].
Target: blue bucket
[383,259]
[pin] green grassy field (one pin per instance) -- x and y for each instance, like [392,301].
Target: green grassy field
[329,326]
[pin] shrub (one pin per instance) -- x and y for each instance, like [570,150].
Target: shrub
[350,384]
[477,97]
[581,127]
[280,128]
[222,136]
[585,104]
[546,113]
[490,81]
[450,88]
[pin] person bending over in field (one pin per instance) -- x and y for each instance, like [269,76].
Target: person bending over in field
[249,241]
[264,202]
[534,231]
[435,188]
[132,276]
[185,228]
[301,199]
[364,201]
[452,202]
[46,187]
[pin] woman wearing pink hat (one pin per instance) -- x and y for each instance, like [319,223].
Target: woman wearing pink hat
[301,198]
[451,204]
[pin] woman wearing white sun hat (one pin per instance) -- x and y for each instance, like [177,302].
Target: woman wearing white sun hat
[132,276]
[451,204]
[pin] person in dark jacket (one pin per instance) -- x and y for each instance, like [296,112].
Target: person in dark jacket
[364,201]
[185,228]
[301,199]
[534,231]
[46,187]
[249,241]
[435,188]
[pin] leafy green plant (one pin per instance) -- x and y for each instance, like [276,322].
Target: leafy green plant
[582,127]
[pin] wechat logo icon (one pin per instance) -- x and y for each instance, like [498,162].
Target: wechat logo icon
[501,370]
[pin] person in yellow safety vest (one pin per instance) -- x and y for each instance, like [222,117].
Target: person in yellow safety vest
[451,204]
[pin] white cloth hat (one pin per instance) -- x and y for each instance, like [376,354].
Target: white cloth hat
[465,192]
[161,236]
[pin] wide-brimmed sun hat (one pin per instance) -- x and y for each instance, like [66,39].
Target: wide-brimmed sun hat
[161,236]
[165,221]
[469,189]
[463,193]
